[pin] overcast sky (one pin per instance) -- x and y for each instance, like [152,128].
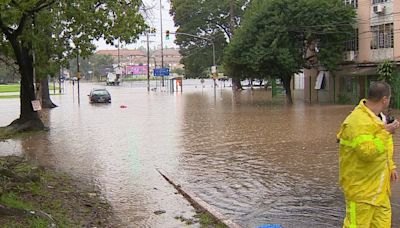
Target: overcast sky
[153,21]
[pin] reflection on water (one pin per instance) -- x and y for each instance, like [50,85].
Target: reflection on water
[254,159]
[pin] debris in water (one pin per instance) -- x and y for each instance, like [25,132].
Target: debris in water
[159,212]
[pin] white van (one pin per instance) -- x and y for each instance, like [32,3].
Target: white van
[112,79]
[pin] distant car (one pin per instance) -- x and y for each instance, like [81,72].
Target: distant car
[99,96]
[113,79]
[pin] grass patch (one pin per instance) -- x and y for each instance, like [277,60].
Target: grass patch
[11,199]
[16,88]
[8,96]
[70,202]
[206,220]
[6,133]
[9,88]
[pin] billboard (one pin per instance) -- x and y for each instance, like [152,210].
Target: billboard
[136,70]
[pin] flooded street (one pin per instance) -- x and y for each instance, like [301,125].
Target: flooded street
[253,158]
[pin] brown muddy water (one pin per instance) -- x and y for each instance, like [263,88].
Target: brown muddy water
[253,158]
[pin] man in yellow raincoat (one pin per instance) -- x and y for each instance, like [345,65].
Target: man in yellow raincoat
[366,165]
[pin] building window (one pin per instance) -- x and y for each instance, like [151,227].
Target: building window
[354,3]
[379,1]
[382,36]
[299,81]
[352,45]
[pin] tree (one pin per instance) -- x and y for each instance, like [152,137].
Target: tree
[73,24]
[8,70]
[281,37]
[387,72]
[97,64]
[209,19]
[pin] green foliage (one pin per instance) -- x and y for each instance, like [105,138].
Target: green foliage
[206,220]
[97,64]
[344,99]
[8,71]
[208,19]
[15,88]
[385,71]
[65,27]
[43,35]
[278,38]
[178,71]
[276,35]
[10,199]
[38,223]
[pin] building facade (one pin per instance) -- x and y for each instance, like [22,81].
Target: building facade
[126,57]
[377,38]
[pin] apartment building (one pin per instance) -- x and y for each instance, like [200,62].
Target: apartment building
[377,38]
[125,56]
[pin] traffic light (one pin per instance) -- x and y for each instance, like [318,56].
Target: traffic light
[167,35]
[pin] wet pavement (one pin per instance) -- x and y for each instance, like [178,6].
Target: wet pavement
[253,158]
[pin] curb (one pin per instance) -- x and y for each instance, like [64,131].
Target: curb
[197,202]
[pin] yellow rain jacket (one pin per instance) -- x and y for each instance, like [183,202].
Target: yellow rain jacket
[366,157]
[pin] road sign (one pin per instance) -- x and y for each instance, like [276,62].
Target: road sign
[36,105]
[161,72]
[214,69]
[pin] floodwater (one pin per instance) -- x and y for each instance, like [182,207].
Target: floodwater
[253,158]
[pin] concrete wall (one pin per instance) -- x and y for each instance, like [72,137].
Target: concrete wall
[364,34]
[396,19]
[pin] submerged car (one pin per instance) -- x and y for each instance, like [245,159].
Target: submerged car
[99,96]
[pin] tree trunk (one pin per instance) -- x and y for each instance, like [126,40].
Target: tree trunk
[286,84]
[29,119]
[45,94]
[236,85]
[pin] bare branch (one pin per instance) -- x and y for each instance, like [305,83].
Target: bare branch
[147,10]
[40,5]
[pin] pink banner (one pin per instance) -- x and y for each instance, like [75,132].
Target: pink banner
[136,70]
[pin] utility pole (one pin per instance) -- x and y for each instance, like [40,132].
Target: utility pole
[78,74]
[148,63]
[232,19]
[118,54]
[150,30]
[162,44]
[213,53]
[60,74]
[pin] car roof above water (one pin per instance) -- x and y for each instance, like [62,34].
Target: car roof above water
[99,89]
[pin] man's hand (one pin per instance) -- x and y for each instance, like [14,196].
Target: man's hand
[392,126]
[394,176]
